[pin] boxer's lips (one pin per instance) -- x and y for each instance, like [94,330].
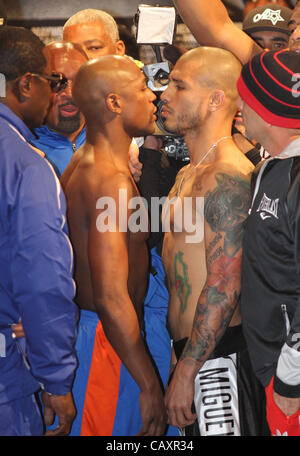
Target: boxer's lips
[164,112]
[154,116]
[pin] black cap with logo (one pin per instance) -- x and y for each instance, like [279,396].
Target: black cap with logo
[268,17]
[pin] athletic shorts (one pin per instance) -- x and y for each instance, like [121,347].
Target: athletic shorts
[105,394]
[279,423]
[228,400]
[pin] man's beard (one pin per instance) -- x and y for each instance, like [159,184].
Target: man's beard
[68,124]
[184,123]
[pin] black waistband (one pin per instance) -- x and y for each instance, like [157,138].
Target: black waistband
[231,342]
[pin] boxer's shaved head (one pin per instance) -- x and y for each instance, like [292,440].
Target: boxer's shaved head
[101,77]
[213,68]
[114,87]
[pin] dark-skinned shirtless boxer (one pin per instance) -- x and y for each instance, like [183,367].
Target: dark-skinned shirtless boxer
[111,265]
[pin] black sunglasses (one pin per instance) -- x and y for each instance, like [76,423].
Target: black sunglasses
[57,81]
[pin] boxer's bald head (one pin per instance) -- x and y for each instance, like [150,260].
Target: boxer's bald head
[214,68]
[101,77]
[112,86]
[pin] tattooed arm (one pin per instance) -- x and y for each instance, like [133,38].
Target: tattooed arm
[226,207]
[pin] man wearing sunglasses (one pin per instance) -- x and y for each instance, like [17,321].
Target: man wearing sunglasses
[57,81]
[63,132]
[33,287]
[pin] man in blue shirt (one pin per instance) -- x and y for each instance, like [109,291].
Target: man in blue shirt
[64,129]
[36,260]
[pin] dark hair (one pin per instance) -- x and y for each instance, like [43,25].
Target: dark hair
[20,52]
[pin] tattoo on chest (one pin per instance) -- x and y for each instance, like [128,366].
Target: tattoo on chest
[182,286]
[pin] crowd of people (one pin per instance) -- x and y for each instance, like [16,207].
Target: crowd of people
[118,320]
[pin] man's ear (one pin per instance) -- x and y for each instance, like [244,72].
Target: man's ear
[120,48]
[22,86]
[216,100]
[114,103]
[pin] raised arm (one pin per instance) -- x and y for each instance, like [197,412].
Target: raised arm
[226,206]
[108,259]
[211,25]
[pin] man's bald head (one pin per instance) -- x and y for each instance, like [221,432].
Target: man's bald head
[112,89]
[214,68]
[99,78]
[65,57]
[64,47]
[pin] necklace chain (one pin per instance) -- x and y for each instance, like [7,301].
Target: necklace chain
[202,159]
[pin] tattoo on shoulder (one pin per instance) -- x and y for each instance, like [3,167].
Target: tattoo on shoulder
[226,209]
[183,288]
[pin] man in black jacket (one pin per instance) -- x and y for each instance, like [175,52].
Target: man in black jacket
[270,304]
